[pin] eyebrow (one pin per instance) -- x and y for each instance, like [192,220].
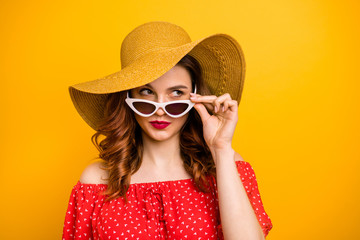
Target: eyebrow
[170,88]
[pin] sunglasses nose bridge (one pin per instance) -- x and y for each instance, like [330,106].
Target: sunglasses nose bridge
[160,110]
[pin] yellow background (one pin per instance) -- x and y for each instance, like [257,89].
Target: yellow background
[299,114]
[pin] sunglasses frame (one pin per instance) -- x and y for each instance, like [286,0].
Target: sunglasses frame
[157,105]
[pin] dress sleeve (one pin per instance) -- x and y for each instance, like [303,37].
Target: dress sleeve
[83,198]
[249,181]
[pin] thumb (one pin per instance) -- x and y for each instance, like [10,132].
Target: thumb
[201,109]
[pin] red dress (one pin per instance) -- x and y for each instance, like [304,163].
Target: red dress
[156,210]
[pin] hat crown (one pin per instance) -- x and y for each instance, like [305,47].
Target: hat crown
[150,37]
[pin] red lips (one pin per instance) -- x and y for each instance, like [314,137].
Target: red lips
[159,124]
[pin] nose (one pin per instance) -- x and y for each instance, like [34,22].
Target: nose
[160,112]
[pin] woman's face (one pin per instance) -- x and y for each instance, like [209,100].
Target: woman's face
[173,85]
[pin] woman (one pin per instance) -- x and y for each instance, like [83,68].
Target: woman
[166,120]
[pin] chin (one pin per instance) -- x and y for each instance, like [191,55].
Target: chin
[160,136]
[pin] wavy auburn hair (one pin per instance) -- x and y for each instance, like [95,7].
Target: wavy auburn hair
[122,148]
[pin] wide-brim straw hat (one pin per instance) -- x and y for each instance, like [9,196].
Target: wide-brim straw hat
[152,49]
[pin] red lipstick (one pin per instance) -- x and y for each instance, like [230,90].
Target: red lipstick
[159,124]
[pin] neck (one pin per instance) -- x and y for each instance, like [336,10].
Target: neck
[161,154]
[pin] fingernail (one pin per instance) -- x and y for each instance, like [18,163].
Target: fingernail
[215,109]
[223,109]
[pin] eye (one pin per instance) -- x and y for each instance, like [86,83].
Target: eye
[177,93]
[145,91]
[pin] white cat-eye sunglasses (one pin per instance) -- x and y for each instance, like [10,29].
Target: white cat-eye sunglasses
[146,108]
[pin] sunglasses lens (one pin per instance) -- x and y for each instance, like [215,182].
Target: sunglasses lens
[145,108]
[176,108]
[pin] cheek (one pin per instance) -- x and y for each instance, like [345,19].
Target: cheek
[182,121]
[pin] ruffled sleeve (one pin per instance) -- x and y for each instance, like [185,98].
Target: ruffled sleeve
[249,181]
[80,212]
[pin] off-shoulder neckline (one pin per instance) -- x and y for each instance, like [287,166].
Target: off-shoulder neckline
[148,183]
[142,183]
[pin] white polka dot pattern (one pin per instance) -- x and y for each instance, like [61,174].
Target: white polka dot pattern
[157,210]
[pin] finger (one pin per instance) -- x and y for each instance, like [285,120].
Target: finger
[194,94]
[209,107]
[204,115]
[206,100]
[211,102]
[233,105]
[220,101]
[203,99]
[225,106]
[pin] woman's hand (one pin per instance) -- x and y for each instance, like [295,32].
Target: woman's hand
[219,126]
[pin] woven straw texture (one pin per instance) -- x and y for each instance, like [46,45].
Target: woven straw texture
[151,50]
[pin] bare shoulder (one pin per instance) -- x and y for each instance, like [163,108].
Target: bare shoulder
[238,157]
[94,174]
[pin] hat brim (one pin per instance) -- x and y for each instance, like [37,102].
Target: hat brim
[220,56]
